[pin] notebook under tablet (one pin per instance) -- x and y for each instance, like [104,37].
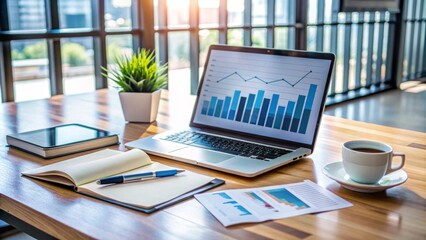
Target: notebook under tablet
[256,109]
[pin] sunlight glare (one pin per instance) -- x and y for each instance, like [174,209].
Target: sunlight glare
[208,3]
[236,6]
[178,4]
[121,3]
[204,32]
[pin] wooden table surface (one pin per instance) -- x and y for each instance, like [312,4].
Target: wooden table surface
[397,213]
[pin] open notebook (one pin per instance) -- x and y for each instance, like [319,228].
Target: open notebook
[146,196]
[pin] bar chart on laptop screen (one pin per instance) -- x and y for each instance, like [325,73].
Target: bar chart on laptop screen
[263,94]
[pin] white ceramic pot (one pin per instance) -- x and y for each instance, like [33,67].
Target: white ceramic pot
[140,107]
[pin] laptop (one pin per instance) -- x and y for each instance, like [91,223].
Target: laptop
[256,109]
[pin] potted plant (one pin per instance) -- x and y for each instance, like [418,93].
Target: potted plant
[140,80]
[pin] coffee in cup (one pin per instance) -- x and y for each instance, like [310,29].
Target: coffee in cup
[368,161]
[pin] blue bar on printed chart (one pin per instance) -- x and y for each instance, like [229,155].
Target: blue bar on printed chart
[272,110]
[218,108]
[308,108]
[226,107]
[257,105]
[241,109]
[234,104]
[297,113]
[205,107]
[249,107]
[288,115]
[212,105]
[279,118]
[263,112]
[243,211]
[223,195]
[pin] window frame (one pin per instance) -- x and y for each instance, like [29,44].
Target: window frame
[141,23]
[144,34]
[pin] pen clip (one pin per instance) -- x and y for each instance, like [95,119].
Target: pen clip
[137,179]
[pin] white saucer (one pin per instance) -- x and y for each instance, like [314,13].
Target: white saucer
[336,172]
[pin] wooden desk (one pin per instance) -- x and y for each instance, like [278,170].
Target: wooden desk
[398,213]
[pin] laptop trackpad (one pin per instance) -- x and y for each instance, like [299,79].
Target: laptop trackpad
[201,155]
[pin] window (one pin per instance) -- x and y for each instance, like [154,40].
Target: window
[77,65]
[30,69]
[204,22]
[414,59]
[26,15]
[359,42]
[118,15]
[59,45]
[75,14]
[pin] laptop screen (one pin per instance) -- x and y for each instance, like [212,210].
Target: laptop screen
[265,92]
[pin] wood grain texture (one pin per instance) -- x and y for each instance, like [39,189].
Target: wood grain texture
[397,213]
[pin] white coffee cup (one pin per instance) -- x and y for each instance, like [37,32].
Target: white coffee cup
[368,161]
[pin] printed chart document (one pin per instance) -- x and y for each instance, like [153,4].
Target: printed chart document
[267,203]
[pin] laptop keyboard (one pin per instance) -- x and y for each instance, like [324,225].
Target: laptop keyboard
[226,145]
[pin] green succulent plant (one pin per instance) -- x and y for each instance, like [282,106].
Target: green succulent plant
[138,73]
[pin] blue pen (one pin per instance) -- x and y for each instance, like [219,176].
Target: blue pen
[138,176]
